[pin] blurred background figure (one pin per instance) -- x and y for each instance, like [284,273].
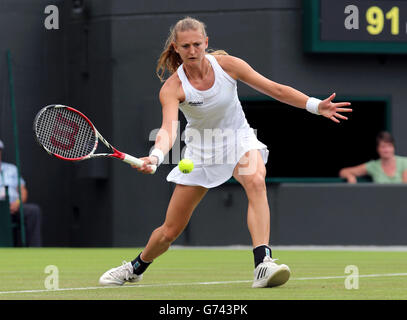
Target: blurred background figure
[389,168]
[32,212]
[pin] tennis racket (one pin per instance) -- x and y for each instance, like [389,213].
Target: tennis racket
[68,134]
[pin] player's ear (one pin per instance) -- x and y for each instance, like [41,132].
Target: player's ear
[206,43]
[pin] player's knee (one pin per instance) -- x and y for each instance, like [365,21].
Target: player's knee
[169,235]
[255,183]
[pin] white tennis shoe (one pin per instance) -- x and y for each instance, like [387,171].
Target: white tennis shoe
[270,274]
[119,275]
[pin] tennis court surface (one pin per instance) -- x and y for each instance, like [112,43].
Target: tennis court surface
[202,274]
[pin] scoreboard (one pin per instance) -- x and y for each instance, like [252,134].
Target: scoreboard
[358,26]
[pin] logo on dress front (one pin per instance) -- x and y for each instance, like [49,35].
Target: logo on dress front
[195,103]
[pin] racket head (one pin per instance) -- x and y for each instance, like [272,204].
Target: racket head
[65,133]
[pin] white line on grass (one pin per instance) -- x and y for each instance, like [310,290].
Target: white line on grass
[198,283]
[299,248]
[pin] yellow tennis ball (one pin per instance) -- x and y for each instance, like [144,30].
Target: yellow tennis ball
[186,166]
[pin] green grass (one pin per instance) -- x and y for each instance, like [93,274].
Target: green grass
[177,275]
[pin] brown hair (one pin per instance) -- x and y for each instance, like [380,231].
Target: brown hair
[384,136]
[169,59]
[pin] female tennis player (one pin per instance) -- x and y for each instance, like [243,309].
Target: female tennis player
[204,87]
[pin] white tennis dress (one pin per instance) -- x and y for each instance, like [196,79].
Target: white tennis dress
[217,134]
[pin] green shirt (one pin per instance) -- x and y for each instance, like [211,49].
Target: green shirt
[374,169]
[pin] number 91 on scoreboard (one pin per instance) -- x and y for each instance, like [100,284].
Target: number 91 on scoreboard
[364,26]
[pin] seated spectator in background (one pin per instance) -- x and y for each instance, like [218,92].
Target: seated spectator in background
[32,212]
[389,168]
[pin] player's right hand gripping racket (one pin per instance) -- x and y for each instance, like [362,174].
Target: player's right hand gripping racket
[67,134]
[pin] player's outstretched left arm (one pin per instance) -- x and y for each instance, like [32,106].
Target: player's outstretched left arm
[241,70]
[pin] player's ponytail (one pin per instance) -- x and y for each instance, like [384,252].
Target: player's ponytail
[169,59]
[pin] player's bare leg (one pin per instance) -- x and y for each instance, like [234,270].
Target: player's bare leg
[183,202]
[250,172]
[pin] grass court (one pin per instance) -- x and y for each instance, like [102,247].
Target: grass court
[201,274]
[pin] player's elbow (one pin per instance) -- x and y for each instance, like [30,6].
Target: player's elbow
[280,92]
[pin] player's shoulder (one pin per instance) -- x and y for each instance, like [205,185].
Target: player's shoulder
[172,87]
[232,65]
[172,81]
[228,61]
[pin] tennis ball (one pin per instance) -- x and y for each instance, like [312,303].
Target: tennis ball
[186,166]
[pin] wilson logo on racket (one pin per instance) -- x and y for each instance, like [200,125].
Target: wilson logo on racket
[67,134]
[60,131]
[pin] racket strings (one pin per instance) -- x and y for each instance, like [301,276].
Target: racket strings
[65,133]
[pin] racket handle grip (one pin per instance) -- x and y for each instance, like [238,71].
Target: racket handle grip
[137,162]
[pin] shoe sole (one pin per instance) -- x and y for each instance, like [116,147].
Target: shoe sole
[103,282]
[110,284]
[278,278]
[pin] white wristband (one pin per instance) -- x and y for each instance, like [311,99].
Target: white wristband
[159,154]
[312,105]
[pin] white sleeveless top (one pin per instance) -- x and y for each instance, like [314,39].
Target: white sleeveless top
[217,134]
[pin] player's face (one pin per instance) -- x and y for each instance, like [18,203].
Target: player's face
[191,46]
[385,150]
